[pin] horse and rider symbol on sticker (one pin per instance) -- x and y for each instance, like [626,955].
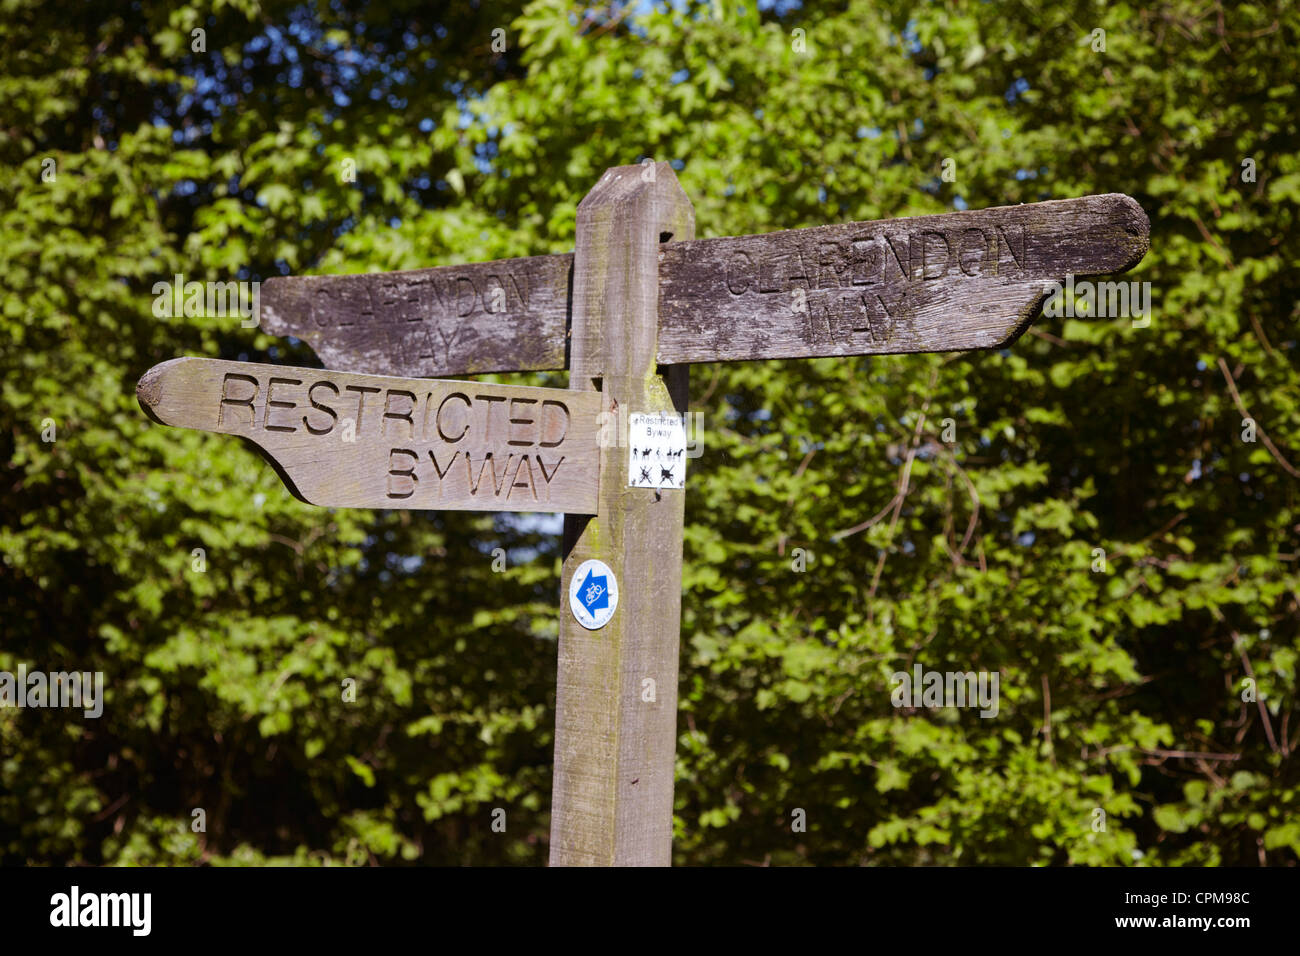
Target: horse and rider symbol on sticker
[657,458]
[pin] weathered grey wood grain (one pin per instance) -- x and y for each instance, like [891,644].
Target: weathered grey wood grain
[505,316]
[957,281]
[371,441]
[963,280]
[614,747]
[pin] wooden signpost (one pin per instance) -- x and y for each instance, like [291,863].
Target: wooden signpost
[638,302]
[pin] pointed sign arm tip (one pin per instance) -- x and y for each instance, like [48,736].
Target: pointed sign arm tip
[1132,226]
[149,391]
[1132,235]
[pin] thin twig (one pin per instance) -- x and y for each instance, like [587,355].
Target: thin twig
[1232,388]
[1188,755]
[708,393]
[1169,526]
[1259,698]
[803,465]
[974,497]
[904,479]
[1259,333]
[112,808]
[1049,337]
[839,535]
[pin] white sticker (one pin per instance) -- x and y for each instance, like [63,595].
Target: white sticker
[657,450]
[593,594]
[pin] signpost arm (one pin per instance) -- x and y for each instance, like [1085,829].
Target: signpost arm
[616,694]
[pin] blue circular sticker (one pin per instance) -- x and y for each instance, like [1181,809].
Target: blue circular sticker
[593,594]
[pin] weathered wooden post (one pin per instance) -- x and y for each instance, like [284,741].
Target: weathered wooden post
[615,733]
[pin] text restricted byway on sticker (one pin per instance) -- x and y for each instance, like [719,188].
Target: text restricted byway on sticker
[593,594]
[656,450]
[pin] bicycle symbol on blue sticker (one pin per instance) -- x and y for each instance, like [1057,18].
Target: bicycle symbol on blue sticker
[593,594]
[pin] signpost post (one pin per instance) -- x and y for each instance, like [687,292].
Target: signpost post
[638,302]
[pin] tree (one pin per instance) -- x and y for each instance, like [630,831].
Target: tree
[948,510]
